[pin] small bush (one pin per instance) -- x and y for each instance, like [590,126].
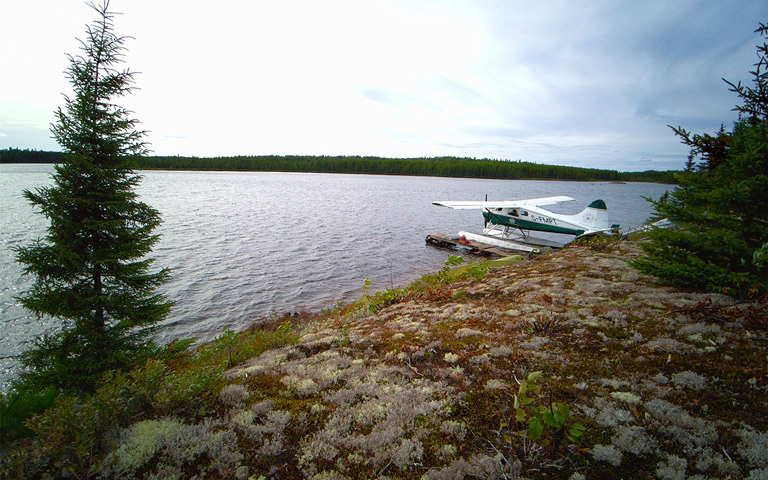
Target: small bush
[69,434]
[234,348]
[17,407]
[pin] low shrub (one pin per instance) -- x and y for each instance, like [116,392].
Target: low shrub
[17,407]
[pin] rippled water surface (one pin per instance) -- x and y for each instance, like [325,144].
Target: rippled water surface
[245,245]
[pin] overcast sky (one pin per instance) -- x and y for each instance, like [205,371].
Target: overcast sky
[585,83]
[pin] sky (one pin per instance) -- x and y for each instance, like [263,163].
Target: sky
[583,83]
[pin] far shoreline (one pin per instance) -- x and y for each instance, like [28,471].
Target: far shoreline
[442,167]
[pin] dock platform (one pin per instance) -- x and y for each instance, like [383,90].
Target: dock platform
[477,248]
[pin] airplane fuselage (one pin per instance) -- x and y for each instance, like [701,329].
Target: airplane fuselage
[525,219]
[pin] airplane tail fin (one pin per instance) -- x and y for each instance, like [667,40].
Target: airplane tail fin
[595,216]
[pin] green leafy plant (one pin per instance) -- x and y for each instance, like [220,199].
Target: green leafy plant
[535,419]
[427,283]
[18,406]
[344,333]
[232,348]
[285,328]
[453,261]
[228,340]
[478,270]
[453,271]
[382,299]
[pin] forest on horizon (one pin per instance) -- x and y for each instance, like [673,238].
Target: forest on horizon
[432,166]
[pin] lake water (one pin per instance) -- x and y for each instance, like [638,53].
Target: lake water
[242,245]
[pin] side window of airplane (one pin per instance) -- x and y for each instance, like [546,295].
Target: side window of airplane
[513,212]
[498,209]
[523,213]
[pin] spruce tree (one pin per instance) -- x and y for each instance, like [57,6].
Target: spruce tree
[720,243]
[91,268]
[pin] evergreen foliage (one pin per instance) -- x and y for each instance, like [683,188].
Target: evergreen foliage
[17,155]
[433,167]
[721,207]
[91,268]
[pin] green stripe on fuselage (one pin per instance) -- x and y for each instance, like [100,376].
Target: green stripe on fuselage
[517,222]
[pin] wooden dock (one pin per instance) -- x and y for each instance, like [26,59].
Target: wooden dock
[456,243]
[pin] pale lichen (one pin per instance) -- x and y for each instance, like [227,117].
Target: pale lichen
[451,357]
[689,380]
[495,384]
[608,454]
[626,397]
[673,468]
[634,439]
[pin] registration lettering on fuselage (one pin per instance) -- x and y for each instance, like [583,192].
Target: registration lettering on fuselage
[542,219]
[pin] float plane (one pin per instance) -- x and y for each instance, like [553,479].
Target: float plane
[509,216]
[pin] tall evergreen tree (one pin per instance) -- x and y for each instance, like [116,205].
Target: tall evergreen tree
[91,268]
[720,209]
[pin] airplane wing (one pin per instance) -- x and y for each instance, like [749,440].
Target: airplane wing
[537,202]
[504,203]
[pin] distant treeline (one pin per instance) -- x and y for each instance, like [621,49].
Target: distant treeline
[435,166]
[14,155]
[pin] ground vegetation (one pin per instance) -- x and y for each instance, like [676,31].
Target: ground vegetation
[568,365]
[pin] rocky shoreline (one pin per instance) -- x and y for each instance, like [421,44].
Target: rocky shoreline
[668,383]
[568,365]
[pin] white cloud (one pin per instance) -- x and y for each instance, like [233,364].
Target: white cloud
[554,82]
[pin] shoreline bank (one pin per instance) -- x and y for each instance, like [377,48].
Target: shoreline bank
[664,382]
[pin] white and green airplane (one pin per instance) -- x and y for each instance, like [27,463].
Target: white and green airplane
[527,215]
